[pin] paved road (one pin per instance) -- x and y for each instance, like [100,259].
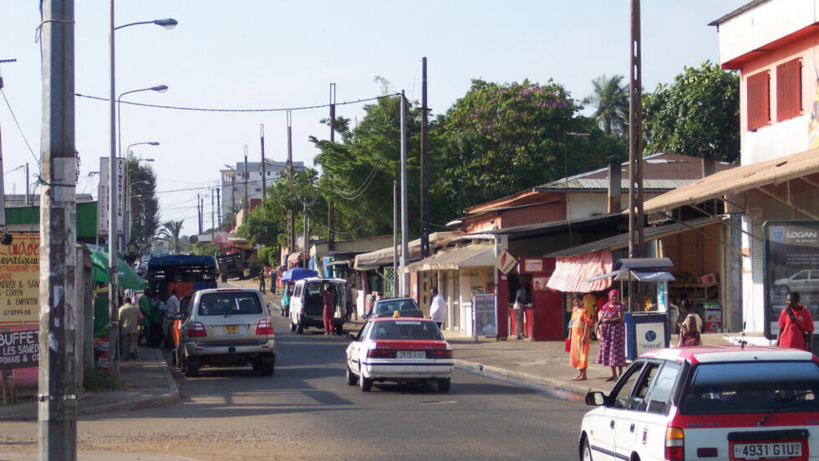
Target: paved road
[307,411]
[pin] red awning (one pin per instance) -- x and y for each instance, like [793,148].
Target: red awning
[572,271]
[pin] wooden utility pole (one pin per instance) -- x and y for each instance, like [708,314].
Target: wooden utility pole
[331,208]
[57,399]
[424,163]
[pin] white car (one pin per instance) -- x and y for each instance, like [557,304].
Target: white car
[402,350]
[708,403]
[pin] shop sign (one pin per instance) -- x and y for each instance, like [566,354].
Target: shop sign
[20,281]
[791,259]
[531,265]
[19,349]
[505,262]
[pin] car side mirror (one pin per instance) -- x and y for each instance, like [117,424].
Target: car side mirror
[364,317]
[352,337]
[596,398]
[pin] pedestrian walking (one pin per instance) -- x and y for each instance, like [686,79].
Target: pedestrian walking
[261,281]
[795,324]
[171,309]
[582,321]
[157,317]
[130,323]
[328,299]
[437,308]
[611,331]
[145,307]
[348,301]
[273,288]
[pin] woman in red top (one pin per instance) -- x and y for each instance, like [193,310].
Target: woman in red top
[794,321]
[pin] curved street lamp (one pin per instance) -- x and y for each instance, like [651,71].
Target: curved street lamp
[113,273]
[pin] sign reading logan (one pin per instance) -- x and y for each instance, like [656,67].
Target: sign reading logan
[20,281]
[19,349]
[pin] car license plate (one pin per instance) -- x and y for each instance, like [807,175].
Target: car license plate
[411,355]
[769,450]
[231,329]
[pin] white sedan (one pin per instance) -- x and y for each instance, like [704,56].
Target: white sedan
[402,350]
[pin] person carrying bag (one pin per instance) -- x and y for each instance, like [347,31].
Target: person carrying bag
[795,325]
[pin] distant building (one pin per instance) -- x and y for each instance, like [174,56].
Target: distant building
[237,186]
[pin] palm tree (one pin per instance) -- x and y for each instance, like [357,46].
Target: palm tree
[170,232]
[610,97]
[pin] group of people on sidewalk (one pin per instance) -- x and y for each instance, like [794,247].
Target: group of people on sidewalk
[795,331]
[146,319]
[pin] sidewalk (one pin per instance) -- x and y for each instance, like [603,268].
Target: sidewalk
[148,383]
[542,365]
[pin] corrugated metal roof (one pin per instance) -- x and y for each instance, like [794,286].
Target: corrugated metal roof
[737,180]
[599,184]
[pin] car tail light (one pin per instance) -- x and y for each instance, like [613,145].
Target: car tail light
[674,443]
[197,330]
[381,354]
[440,354]
[264,328]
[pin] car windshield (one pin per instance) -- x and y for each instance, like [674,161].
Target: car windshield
[751,387]
[389,306]
[406,329]
[233,303]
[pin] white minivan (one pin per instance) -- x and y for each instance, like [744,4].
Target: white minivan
[306,305]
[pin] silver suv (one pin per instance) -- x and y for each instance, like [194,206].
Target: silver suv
[228,327]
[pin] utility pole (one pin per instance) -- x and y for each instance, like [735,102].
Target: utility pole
[404,198]
[57,399]
[212,213]
[635,151]
[199,208]
[264,176]
[247,198]
[424,162]
[306,236]
[331,207]
[291,225]
[219,207]
[395,200]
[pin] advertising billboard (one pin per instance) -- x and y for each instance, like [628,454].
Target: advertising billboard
[20,281]
[791,252]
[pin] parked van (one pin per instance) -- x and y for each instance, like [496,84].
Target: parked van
[306,305]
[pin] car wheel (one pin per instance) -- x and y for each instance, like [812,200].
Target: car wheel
[586,451]
[443,384]
[267,368]
[339,329]
[782,290]
[351,378]
[191,369]
[365,383]
[292,326]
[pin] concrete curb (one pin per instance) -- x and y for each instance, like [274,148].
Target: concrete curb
[168,397]
[526,380]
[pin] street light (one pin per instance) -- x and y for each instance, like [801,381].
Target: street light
[113,328]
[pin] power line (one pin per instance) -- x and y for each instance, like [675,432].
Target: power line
[201,109]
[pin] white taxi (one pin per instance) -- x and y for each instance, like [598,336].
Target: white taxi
[708,403]
[402,350]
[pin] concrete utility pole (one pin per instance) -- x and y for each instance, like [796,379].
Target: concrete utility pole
[404,198]
[219,207]
[306,236]
[113,220]
[635,155]
[291,225]
[247,197]
[424,163]
[395,201]
[57,400]
[264,176]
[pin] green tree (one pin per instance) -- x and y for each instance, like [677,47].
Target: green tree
[144,204]
[170,232]
[696,114]
[501,139]
[611,101]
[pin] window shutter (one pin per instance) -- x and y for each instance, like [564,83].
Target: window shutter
[759,100]
[789,90]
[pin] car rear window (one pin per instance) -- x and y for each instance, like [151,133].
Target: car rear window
[392,306]
[406,329]
[750,387]
[229,304]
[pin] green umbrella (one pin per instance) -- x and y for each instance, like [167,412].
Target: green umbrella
[128,278]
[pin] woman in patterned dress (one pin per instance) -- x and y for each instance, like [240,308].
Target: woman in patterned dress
[611,331]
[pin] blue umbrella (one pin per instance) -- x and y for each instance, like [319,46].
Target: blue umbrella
[298,273]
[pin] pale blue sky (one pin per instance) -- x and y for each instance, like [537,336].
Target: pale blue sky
[246,54]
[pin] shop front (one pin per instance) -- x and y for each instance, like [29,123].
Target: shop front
[543,313]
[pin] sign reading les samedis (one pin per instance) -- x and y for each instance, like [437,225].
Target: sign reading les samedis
[19,349]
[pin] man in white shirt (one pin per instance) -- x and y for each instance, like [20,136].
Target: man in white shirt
[518,307]
[437,308]
[171,309]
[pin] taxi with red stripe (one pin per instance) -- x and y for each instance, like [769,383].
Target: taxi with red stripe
[720,403]
[401,350]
